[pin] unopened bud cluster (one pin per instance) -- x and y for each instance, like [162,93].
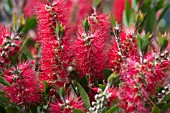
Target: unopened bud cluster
[163,56]
[10,46]
[165,91]
[101,101]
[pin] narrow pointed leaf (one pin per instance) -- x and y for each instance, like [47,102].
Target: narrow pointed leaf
[4,82]
[30,24]
[84,96]
[128,11]
[155,109]
[112,109]
[78,111]
[166,98]
[150,21]
[165,44]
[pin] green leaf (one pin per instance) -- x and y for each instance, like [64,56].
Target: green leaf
[166,98]
[38,109]
[59,30]
[146,6]
[84,82]
[3,100]
[112,77]
[128,11]
[4,82]
[159,4]
[23,57]
[162,41]
[143,43]
[7,4]
[165,44]
[127,14]
[27,52]
[45,85]
[113,22]
[30,24]
[150,21]
[14,59]
[84,96]
[107,73]
[112,109]
[78,111]
[33,109]
[62,92]
[101,86]
[46,88]
[155,109]
[125,22]
[45,106]
[165,107]
[15,21]
[86,25]
[12,110]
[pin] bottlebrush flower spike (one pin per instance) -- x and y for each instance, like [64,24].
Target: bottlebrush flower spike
[128,49]
[30,5]
[130,99]
[118,7]
[68,105]
[79,9]
[4,32]
[24,85]
[52,17]
[90,57]
[140,79]
[28,9]
[155,72]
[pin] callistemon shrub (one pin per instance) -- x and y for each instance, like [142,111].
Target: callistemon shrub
[84,56]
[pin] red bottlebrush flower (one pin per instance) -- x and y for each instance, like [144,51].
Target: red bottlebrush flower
[4,32]
[68,106]
[9,45]
[90,57]
[78,9]
[155,69]
[130,99]
[140,79]
[24,85]
[118,7]
[29,7]
[48,15]
[128,46]
[53,48]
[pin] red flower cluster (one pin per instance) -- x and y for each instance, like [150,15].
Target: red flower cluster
[68,105]
[24,85]
[138,79]
[79,9]
[128,48]
[53,60]
[89,47]
[71,50]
